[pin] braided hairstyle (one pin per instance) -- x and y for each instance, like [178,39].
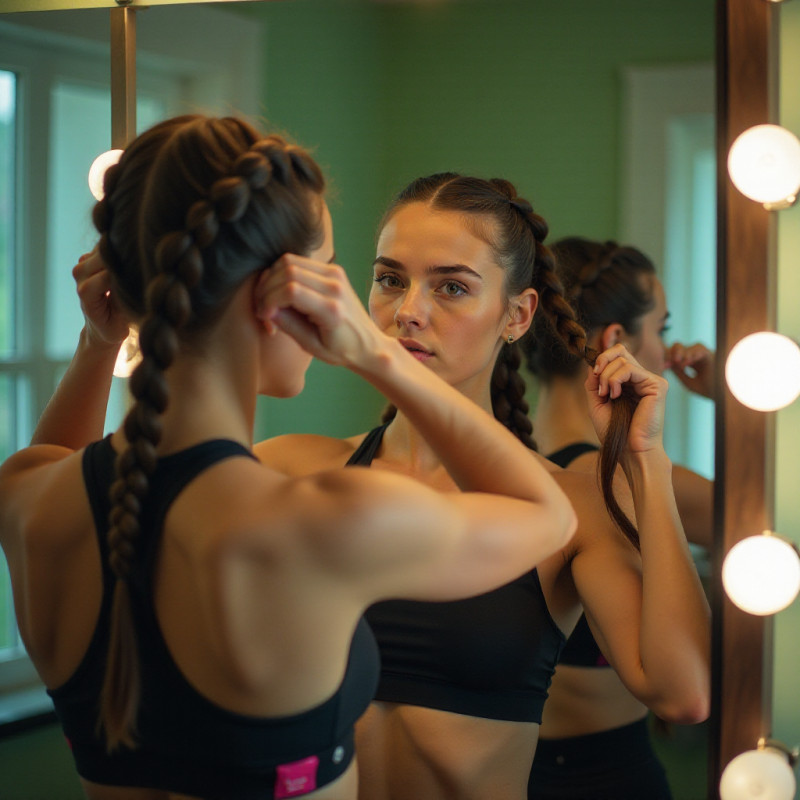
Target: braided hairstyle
[605,283]
[194,207]
[494,212]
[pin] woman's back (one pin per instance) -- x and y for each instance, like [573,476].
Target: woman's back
[233,691]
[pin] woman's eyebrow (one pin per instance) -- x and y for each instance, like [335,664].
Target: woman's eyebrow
[438,269]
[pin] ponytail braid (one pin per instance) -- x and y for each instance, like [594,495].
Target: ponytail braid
[204,243]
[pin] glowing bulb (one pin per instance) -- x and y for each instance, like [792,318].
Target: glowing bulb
[129,355]
[761,574]
[98,170]
[758,775]
[764,164]
[763,371]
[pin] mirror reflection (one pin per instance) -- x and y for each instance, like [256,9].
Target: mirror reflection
[554,98]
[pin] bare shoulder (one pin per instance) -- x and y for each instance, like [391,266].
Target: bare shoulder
[302,454]
[34,482]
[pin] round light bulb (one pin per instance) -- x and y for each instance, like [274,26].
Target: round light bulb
[129,355]
[764,164]
[98,170]
[763,371]
[758,775]
[761,574]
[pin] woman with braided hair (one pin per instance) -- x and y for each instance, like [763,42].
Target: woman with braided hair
[197,616]
[460,269]
[594,741]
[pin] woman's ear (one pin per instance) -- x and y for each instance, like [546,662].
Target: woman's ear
[520,314]
[611,335]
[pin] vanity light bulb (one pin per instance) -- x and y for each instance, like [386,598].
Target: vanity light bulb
[764,164]
[129,355]
[98,170]
[763,371]
[761,574]
[758,775]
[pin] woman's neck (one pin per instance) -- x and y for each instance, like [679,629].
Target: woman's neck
[562,415]
[407,451]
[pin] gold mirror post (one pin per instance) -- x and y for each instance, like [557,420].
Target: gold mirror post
[123,76]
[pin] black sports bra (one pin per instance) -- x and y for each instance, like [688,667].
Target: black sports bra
[490,656]
[581,649]
[186,743]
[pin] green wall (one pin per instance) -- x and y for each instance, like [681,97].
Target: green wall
[525,89]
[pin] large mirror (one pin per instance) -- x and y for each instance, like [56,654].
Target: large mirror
[600,112]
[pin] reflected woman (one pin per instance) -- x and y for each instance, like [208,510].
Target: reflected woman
[594,741]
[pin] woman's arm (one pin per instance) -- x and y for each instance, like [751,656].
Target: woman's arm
[76,413]
[650,615]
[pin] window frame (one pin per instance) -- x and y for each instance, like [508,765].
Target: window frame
[203,60]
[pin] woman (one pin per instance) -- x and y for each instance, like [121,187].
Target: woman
[594,741]
[460,270]
[462,684]
[195,615]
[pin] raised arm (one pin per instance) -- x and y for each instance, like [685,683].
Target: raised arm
[520,515]
[650,615]
[75,415]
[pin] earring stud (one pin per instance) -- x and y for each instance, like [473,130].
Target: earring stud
[510,339]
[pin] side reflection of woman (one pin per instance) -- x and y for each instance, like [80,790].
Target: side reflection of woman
[195,615]
[594,742]
[460,269]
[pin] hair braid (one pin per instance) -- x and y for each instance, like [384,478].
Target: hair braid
[508,395]
[204,242]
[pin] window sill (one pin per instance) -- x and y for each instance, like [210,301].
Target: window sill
[24,709]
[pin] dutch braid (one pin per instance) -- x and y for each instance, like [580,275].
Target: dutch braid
[258,205]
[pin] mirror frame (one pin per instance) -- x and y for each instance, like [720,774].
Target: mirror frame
[747,57]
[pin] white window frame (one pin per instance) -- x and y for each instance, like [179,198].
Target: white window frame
[655,99]
[211,55]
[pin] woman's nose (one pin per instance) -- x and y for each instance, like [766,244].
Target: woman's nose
[412,310]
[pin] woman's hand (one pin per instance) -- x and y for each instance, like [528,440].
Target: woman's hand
[694,367]
[105,323]
[314,303]
[616,372]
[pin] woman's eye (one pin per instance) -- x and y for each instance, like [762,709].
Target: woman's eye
[454,289]
[663,332]
[388,281]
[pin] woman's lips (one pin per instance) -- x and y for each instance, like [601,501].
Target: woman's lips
[416,349]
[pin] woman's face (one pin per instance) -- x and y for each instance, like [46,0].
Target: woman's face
[648,344]
[438,290]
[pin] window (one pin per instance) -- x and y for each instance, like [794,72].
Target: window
[669,212]
[54,120]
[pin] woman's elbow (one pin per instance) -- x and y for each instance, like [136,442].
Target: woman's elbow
[688,709]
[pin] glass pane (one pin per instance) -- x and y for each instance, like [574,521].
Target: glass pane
[15,419]
[9,637]
[80,131]
[7,217]
[14,432]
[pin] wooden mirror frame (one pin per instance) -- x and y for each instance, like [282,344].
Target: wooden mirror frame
[747,57]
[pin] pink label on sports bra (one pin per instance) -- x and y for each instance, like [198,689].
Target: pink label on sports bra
[297,778]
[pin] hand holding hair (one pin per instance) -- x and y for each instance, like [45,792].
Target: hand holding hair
[106,323]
